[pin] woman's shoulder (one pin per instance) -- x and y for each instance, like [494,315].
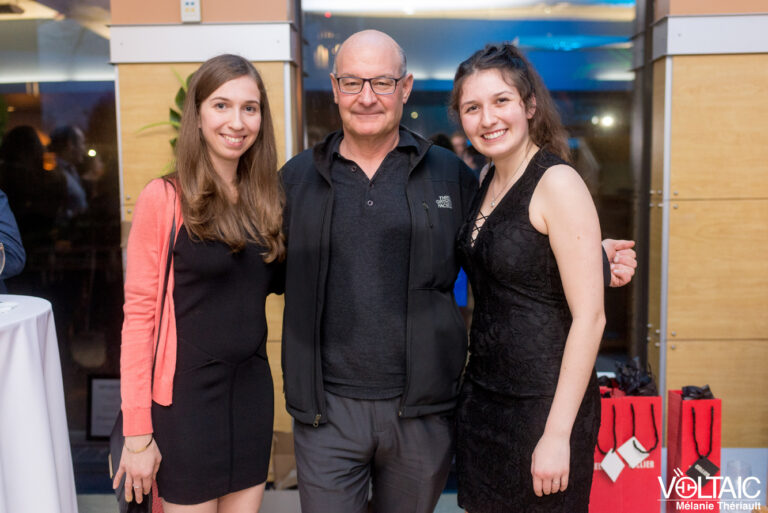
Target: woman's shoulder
[554,170]
[159,190]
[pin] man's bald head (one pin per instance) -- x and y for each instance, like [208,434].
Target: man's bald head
[367,40]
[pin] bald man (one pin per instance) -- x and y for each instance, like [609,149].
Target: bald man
[373,342]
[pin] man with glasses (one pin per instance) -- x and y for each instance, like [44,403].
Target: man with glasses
[373,343]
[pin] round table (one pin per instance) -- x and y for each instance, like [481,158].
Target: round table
[35,457]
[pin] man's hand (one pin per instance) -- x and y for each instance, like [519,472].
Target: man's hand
[623,260]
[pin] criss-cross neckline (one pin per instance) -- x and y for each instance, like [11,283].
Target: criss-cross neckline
[477,225]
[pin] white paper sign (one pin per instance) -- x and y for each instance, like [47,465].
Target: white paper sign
[612,465]
[632,452]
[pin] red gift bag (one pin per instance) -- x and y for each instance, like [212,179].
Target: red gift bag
[686,446]
[636,489]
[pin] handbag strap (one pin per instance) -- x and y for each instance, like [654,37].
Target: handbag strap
[168,261]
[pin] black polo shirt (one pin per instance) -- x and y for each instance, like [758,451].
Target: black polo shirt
[364,319]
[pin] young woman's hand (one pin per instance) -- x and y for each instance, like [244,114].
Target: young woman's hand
[550,464]
[139,466]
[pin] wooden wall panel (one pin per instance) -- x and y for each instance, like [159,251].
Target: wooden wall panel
[660,9]
[274,311]
[283,420]
[718,270]
[719,145]
[654,287]
[657,128]
[137,12]
[708,7]
[244,11]
[735,370]
[141,12]
[657,185]
[147,91]
[273,74]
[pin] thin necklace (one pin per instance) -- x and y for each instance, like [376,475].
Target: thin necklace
[519,167]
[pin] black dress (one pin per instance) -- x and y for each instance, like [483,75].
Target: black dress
[215,437]
[519,327]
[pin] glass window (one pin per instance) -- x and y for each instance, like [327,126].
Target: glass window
[59,169]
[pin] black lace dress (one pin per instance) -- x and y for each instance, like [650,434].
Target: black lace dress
[519,327]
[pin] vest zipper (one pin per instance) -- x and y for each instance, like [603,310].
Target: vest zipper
[426,209]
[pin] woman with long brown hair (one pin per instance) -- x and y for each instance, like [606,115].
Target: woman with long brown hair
[529,409]
[203,254]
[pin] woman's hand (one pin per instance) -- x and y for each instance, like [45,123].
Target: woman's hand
[550,464]
[139,466]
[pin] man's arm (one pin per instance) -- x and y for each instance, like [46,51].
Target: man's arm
[15,257]
[622,260]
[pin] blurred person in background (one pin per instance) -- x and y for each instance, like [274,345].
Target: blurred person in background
[68,143]
[34,195]
[14,256]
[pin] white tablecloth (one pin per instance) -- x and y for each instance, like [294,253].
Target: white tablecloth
[36,473]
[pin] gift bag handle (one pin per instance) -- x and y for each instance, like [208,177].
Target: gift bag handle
[711,424]
[655,430]
[613,406]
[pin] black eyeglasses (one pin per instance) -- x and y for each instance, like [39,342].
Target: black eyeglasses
[379,85]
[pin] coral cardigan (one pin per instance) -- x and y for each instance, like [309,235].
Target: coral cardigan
[147,251]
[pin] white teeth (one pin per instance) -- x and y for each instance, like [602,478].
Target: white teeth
[494,135]
[233,140]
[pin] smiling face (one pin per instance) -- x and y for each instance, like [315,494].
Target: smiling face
[493,115]
[230,119]
[366,114]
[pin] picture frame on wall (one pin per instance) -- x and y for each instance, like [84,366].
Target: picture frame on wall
[103,406]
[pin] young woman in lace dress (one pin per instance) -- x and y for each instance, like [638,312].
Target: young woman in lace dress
[529,411]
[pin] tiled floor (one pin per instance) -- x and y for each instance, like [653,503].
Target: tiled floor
[274,502]
[736,463]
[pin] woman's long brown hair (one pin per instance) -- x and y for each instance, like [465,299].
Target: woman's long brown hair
[545,128]
[257,215]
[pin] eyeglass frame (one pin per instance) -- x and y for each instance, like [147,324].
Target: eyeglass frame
[370,84]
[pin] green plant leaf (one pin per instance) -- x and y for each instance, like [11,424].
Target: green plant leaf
[184,83]
[174,116]
[173,142]
[159,123]
[180,97]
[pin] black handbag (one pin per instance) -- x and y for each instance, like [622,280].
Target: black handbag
[116,438]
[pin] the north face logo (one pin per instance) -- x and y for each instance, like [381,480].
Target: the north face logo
[444,202]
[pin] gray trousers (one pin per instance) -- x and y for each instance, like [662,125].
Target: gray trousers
[365,445]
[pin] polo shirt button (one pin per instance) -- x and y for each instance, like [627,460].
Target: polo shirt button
[370,203]
[354,168]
